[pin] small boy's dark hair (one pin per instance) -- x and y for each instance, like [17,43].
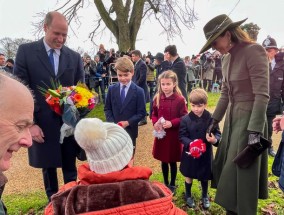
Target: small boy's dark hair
[124,64]
[172,49]
[198,96]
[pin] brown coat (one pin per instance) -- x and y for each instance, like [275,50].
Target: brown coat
[172,108]
[125,192]
[244,99]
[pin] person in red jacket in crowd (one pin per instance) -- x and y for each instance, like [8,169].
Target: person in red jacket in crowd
[108,184]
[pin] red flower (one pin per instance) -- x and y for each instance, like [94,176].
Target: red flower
[77,97]
[52,100]
[57,109]
[197,148]
[91,104]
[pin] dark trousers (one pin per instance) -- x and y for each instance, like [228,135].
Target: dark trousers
[207,85]
[217,77]
[152,85]
[69,170]
[102,87]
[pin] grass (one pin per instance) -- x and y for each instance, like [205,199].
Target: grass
[34,203]
[275,202]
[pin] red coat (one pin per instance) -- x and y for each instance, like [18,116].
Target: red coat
[113,194]
[172,108]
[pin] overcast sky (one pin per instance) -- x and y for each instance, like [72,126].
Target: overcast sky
[16,17]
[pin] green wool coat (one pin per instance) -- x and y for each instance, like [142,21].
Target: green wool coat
[244,99]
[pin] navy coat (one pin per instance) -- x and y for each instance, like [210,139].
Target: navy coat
[33,67]
[132,110]
[139,78]
[193,127]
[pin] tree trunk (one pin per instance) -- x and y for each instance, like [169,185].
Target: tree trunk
[124,29]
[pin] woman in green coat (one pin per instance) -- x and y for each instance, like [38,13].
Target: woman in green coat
[244,99]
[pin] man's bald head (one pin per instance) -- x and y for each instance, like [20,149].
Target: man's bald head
[11,90]
[51,15]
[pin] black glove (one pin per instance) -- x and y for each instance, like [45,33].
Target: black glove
[212,127]
[254,139]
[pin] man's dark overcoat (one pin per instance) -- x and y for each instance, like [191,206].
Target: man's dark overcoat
[33,67]
[139,78]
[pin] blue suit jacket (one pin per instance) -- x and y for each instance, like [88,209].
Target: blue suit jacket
[34,68]
[132,110]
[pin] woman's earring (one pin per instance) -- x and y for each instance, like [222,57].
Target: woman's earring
[230,43]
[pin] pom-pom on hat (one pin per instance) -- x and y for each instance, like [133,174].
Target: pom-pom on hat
[108,146]
[269,43]
[215,27]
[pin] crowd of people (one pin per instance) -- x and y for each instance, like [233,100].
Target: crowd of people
[248,75]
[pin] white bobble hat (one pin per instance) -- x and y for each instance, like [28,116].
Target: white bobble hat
[108,146]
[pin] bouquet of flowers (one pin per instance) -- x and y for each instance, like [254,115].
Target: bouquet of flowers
[71,102]
[196,148]
[160,133]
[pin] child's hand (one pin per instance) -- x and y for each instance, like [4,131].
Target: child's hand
[276,125]
[157,126]
[211,139]
[167,124]
[123,124]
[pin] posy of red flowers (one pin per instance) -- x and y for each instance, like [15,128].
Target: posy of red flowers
[196,148]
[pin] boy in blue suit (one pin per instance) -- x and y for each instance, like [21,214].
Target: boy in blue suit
[125,101]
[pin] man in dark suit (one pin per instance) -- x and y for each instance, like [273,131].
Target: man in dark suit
[178,67]
[36,64]
[140,77]
[125,101]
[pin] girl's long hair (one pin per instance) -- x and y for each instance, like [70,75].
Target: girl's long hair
[166,74]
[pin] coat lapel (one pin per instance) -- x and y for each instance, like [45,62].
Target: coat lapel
[63,61]
[43,57]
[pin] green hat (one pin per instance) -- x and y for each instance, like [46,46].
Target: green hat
[215,27]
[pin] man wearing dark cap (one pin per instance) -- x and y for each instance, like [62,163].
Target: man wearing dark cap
[276,85]
[160,64]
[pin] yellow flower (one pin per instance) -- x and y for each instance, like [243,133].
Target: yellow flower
[85,94]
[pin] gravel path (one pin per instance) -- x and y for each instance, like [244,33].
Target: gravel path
[24,179]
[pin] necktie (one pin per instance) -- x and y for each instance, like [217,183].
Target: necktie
[122,93]
[51,59]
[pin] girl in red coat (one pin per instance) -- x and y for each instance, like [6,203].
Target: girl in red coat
[169,104]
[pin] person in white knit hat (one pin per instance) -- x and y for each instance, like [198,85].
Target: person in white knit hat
[108,147]
[111,185]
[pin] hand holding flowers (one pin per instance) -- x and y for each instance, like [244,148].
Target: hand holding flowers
[159,131]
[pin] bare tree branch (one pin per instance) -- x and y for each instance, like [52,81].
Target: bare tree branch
[123,18]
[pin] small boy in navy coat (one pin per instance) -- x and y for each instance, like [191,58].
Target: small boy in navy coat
[125,101]
[196,162]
